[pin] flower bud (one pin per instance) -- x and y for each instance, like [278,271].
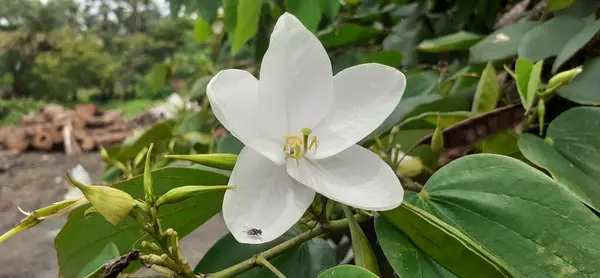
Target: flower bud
[410,167]
[148,186]
[184,192]
[437,140]
[113,204]
[563,77]
[217,160]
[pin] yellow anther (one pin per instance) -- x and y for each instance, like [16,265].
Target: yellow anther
[295,146]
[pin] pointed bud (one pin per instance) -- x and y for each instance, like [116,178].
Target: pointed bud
[89,211]
[184,192]
[437,140]
[113,204]
[148,186]
[104,153]
[216,160]
[541,110]
[563,77]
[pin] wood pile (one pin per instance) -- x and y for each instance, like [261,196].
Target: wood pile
[83,129]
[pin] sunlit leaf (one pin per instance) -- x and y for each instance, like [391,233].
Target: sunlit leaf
[202,30]
[535,79]
[554,5]
[248,15]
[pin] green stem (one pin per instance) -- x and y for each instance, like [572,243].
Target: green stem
[262,261]
[291,243]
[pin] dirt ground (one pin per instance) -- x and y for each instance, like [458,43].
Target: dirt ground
[31,180]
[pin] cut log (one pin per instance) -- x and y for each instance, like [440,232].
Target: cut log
[86,142]
[17,140]
[86,110]
[110,139]
[53,111]
[42,139]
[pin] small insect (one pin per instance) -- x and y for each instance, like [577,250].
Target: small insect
[253,232]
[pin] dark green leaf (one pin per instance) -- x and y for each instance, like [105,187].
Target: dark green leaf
[347,34]
[404,256]
[208,9]
[504,142]
[458,41]
[584,88]
[548,39]
[554,5]
[307,11]
[160,132]
[488,91]
[306,260]
[390,58]
[230,144]
[363,253]
[516,213]
[248,16]
[96,265]
[575,43]
[82,238]
[331,8]
[347,271]
[501,44]
[202,30]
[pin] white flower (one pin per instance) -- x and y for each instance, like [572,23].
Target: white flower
[172,107]
[300,125]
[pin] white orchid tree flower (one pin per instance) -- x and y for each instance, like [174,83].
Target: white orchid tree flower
[300,125]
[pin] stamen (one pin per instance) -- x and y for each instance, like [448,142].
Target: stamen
[296,147]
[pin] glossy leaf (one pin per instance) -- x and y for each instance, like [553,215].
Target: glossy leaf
[488,92]
[347,34]
[517,213]
[584,88]
[248,15]
[534,83]
[576,43]
[407,259]
[75,251]
[307,11]
[548,39]
[307,260]
[501,44]
[390,58]
[202,30]
[347,271]
[570,153]
[460,40]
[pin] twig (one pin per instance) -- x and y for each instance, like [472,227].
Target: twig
[262,261]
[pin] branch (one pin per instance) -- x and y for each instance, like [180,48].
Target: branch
[291,243]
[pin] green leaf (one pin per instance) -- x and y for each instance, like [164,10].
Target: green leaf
[447,245]
[202,30]
[230,144]
[158,75]
[465,85]
[307,260]
[390,58]
[307,11]
[554,5]
[430,119]
[504,142]
[488,92]
[95,265]
[160,132]
[547,40]
[570,153]
[584,88]
[523,69]
[534,83]
[248,16]
[347,34]
[517,213]
[404,256]
[347,271]
[82,238]
[363,253]
[575,43]
[208,9]
[501,44]
[331,8]
[460,40]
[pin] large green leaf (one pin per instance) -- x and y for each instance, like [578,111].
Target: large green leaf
[82,238]
[390,58]
[307,260]
[347,34]
[575,43]
[404,256]
[488,91]
[517,213]
[569,153]
[584,88]
[208,9]
[307,11]
[160,132]
[501,44]
[458,41]
[331,8]
[347,271]
[97,264]
[548,39]
[248,16]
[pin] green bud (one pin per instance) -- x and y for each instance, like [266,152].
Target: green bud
[104,153]
[113,204]
[541,109]
[148,187]
[152,246]
[170,263]
[217,160]
[410,167]
[437,140]
[184,192]
[89,211]
[139,157]
[152,259]
[564,77]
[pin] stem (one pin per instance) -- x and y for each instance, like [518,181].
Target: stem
[262,261]
[291,243]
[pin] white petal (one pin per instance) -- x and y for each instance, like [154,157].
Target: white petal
[233,96]
[296,80]
[355,177]
[365,96]
[266,198]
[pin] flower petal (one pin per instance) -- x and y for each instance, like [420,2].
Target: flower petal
[266,198]
[365,96]
[296,79]
[233,96]
[355,177]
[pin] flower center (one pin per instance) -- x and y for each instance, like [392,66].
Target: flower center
[296,147]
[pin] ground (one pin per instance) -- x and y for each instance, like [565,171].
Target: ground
[31,180]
